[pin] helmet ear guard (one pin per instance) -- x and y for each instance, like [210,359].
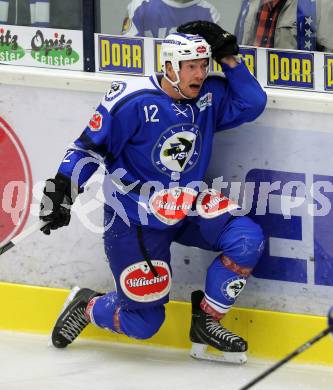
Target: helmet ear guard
[179,47]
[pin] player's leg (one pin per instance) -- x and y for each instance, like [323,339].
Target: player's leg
[240,242]
[136,308]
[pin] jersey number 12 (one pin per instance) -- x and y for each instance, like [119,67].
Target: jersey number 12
[150,113]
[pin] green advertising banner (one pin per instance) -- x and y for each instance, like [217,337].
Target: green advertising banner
[42,47]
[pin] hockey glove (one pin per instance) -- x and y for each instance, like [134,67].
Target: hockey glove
[56,202]
[223,44]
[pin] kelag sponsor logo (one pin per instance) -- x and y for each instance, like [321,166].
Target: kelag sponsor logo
[290,69]
[211,203]
[56,51]
[9,47]
[122,55]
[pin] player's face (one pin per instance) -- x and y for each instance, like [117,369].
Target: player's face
[192,74]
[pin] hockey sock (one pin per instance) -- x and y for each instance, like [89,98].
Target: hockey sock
[140,323]
[103,310]
[242,245]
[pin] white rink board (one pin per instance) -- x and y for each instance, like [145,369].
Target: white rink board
[46,120]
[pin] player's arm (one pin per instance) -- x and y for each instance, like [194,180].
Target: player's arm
[103,139]
[90,150]
[243,98]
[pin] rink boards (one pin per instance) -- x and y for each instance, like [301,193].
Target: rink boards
[271,335]
[289,150]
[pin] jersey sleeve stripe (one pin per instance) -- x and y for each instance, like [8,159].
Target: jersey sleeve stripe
[89,152]
[85,141]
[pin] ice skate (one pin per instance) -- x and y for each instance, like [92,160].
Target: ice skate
[205,330]
[72,319]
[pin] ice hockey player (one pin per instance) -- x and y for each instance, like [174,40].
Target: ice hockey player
[159,131]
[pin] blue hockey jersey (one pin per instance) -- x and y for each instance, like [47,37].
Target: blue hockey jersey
[159,18]
[156,149]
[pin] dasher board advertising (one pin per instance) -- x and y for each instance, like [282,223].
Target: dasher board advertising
[274,68]
[41,47]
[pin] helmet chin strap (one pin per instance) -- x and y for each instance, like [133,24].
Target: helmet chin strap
[175,86]
[177,89]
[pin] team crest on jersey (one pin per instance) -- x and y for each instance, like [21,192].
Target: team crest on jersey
[95,123]
[172,205]
[232,287]
[116,89]
[139,283]
[177,149]
[211,204]
[205,101]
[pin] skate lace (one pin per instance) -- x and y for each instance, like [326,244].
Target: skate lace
[215,328]
[74,324]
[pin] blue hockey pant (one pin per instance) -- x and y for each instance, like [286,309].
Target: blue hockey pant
[136,308]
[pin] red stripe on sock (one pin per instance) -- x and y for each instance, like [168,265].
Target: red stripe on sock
[87,312]
[116,320]
[232,266]
[205,306]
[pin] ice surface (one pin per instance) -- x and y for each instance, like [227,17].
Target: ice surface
[27,363]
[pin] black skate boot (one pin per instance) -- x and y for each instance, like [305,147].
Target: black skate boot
[72,320]
[205,330]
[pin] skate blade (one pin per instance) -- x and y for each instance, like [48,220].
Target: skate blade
[69,299]
[199,351]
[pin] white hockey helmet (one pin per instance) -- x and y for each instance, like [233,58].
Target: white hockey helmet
[179,47]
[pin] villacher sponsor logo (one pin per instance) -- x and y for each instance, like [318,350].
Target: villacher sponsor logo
[139,283]
[172,205]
